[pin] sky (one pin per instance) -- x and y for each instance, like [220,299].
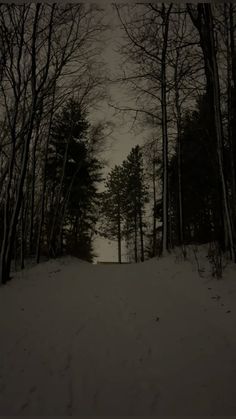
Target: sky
[123,137]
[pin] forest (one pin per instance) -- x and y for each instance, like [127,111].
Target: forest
[178,68]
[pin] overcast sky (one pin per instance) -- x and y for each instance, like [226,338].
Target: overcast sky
[123,137]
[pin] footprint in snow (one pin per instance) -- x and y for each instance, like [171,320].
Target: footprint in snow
[24,406]
[33,389]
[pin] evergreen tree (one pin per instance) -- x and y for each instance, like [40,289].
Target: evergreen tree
[112,207]
[72,173]
[136,196]
[202,215]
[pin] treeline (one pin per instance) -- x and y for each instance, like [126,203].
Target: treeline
[180,68]
[123,206]
[50,77]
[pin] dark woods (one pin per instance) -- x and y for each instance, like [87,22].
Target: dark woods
[178,188]
[50,79]
[180,69]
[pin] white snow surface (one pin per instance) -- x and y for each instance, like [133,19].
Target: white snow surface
[138,339]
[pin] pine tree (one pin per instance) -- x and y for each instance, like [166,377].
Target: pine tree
[136,197]
[202,214]
[72,173]
[112,207]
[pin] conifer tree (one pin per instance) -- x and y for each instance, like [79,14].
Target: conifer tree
[112,207]
[72,173]
[136,197]
[202,211]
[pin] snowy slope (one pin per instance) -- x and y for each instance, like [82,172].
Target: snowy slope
[117,340]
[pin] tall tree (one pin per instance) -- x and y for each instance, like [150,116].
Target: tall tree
[165,13]
[201,199]
[112,207]
[163,53]
[153,174]
[135,199]
[72,173]
[202,18]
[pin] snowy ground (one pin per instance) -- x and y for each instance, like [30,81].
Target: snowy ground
[152,338]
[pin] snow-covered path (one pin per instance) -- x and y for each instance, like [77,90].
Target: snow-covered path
[139,339]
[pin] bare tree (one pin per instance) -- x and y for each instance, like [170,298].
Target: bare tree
[45,45]
[165,14]
[147,46]
[165,78]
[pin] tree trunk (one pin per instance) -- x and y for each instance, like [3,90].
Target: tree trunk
[141,236]
[141,230]
[135,238]
[164,131]
[3,276]
[218,126]
[31,236]
[22,238]
[205,27]
[119,231]
[231,64]
[32,201]
[179,154]
[41,220]
[154,208]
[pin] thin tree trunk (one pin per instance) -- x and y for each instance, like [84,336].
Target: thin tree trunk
[3,276]
[141,227]
[141,235]
[154,207]
[164,131]
[22,238]
[15,251]
[32,201]
[231,64]
[31,236]
[41,220]
[205,27]
[119,231]
[135,238]
[179,156]
[219,128]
